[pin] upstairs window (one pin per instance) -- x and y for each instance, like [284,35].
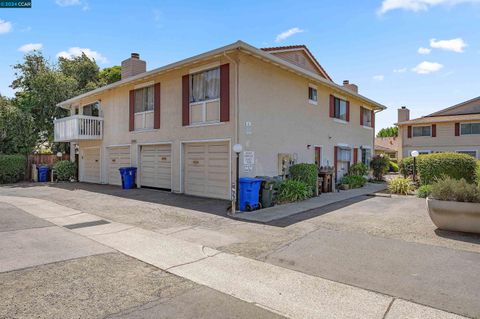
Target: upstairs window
[312,95]
[92,109]
[367,117]
[422,131]
[205,85]
[340,109]
[470,128]
[144,99]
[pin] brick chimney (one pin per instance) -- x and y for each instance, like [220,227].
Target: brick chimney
[403,114]
[133,66]
[350,86]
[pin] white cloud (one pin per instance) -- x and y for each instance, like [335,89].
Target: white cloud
[76,51]
[424,50]
[379,77]
[401,70]
[67,3]
[5,26]
[286,34]
[30,47]
[427,67]
[418,5]
[455,45]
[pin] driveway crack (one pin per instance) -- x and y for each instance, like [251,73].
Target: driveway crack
[388,308]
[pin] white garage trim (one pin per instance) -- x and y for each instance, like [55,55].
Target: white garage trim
[139,156]
[182,160]
[82,164]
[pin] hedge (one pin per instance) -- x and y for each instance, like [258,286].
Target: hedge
[430,167]
[12,168]
[304,172]
[65,170]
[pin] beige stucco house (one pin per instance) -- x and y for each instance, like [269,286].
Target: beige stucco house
[177,123]
[453,129]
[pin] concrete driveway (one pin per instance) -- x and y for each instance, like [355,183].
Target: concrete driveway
[386,245]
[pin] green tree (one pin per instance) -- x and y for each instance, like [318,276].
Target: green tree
[17,133]
[388,132]
[110,75]
[83,69]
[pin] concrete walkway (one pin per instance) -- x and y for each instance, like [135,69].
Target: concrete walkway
[286,292]
[282,211]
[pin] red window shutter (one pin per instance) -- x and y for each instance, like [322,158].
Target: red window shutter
[318,156]
[409,131]
[186,100]
[131,111]
[332,106]
[156,106]
[361,115]
[457,129]
[335,155]
[225,93]
[348,111]
[434,130]
[355,155]
[373,118]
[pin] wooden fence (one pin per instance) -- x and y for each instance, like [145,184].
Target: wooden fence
[43,159]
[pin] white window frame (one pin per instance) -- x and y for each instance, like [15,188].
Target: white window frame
[204,113]
[340,120]
[314,87]
[465,124]
[463,152]
[413,130]
[363,109]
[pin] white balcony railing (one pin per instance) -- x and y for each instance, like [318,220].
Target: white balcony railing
[78,127]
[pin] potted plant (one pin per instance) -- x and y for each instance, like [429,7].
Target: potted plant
[455,205]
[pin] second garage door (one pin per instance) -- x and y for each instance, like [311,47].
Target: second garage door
[156,166]
[117,157]
[91,165]
[207,169]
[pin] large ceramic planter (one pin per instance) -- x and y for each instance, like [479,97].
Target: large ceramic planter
[455,216]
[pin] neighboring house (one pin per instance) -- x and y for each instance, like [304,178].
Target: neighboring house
[388,146]
[177,124]
[454,129]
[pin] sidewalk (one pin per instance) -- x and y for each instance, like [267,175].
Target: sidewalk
[286,292]
[281,211]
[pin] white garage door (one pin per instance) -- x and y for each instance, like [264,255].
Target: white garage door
[207,169]
[91,165]
[117,157]
[156,166]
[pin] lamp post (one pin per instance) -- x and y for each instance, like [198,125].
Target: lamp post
[237,148]
[414,155]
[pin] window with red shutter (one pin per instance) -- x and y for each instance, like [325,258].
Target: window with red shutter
[434,130]
[156,106]
[225,93]
[131,111]
[457,129]
[409,131]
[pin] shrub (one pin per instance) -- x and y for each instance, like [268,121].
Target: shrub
[12,168]
[306,173]
[400,185]
[358,169]
[477,175]
[65,170]
[454,165]
[424,191]
[393,167]
[450,189]
[293,190]
[379,165]
[406,166]
[354,181]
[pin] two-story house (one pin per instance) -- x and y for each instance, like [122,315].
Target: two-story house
[453,129]
[177,123]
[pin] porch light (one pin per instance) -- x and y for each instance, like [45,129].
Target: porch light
[59,154]
[237,148]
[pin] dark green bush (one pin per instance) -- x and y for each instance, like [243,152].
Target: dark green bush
[12,168]
[406,166]
[293,191]
[450,189]
[65,170]
[379,165]
[358,169]
[454,165]
[424,191]
[354,181]
[304,172]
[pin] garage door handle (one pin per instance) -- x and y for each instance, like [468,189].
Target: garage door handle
[195,162]
[96,161]
[113,161]
[164,158]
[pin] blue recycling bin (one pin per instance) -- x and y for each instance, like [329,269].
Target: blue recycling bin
[128,176]
[42,174]
[249,190]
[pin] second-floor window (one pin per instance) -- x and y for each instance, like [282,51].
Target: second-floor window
[312,95]
[422,131]
[205,97]
[340,109]
[144,99]
[92,109]
[470,128]
[367,117]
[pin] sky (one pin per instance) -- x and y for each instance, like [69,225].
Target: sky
[424,54]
